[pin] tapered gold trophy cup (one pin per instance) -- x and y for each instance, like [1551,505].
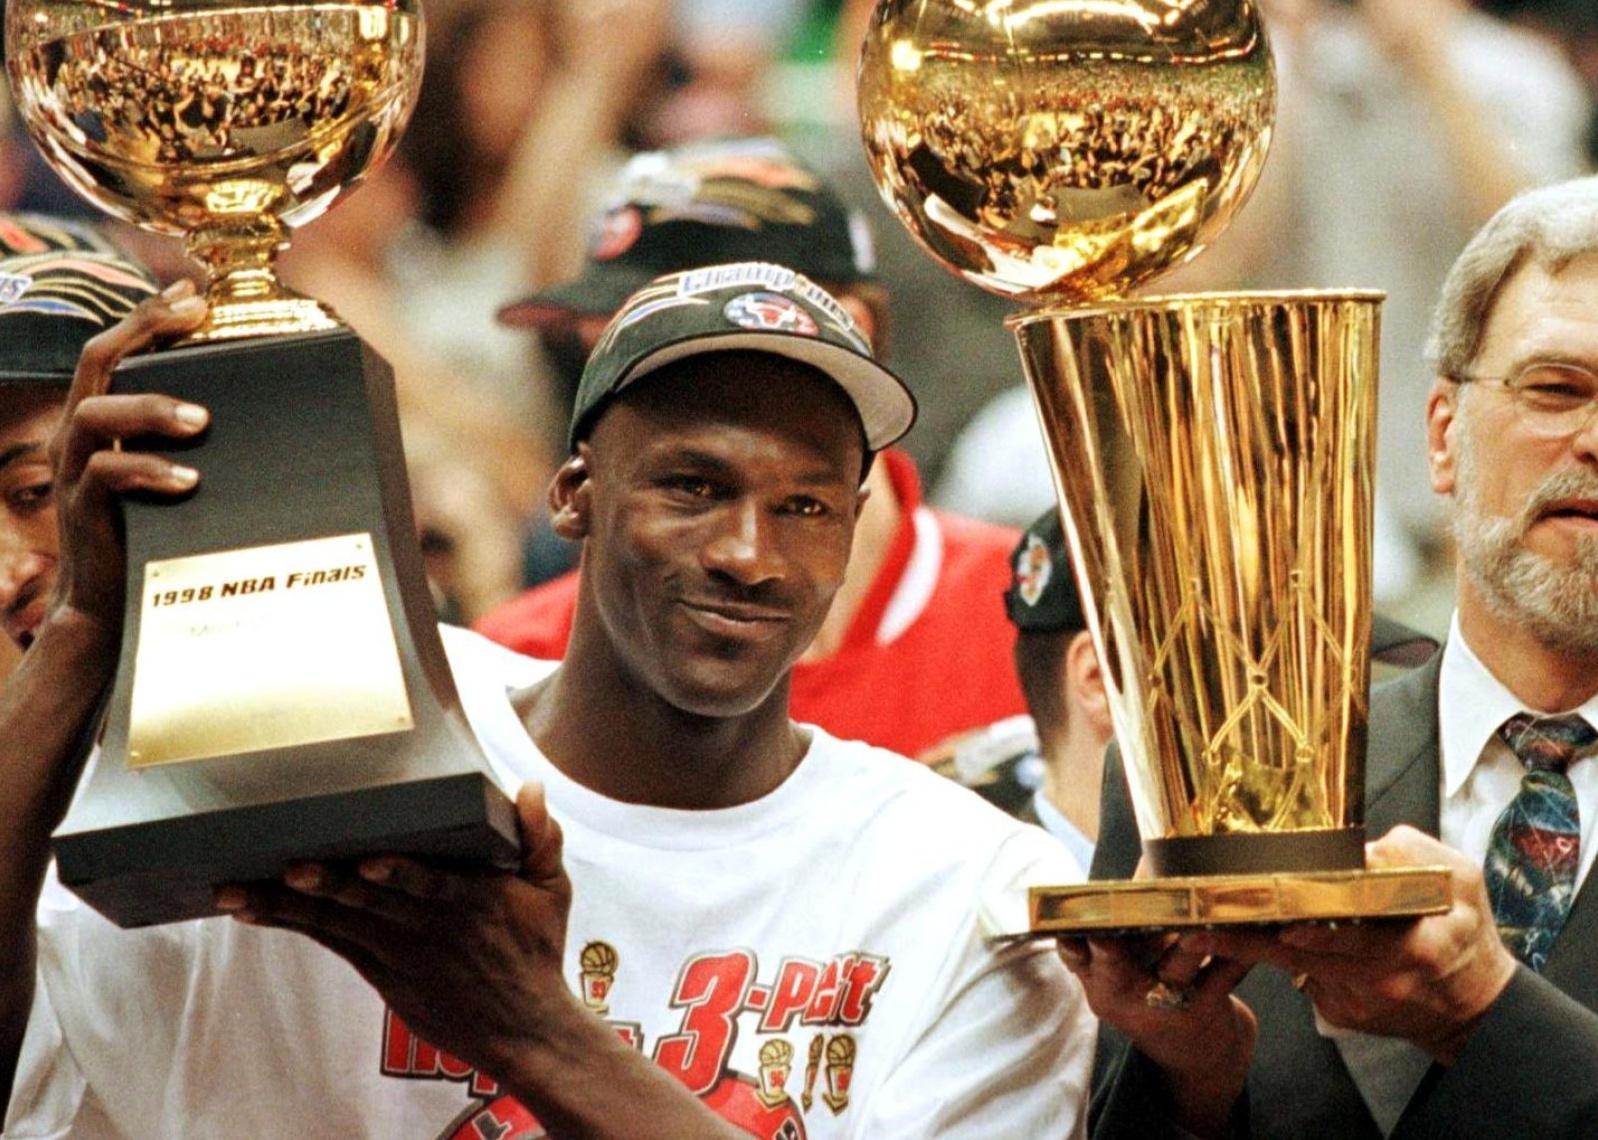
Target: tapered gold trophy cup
[282,692]
[1213,454]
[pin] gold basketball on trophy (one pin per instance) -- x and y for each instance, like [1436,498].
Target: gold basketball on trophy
[1053,151]
[227,122]
[1213,454]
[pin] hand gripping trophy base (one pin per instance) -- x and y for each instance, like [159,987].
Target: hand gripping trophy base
[283,692]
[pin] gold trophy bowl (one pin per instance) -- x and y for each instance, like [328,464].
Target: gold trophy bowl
[1212,453]
[227,122]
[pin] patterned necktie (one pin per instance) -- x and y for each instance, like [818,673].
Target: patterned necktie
[1535,847]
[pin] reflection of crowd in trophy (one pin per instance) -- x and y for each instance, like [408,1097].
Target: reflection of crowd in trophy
[1120,139]
[201,101]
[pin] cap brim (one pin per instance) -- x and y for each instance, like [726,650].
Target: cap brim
[1394,643]
[598,292]
[886,407]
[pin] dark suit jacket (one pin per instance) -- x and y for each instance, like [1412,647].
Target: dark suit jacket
[1529,1070]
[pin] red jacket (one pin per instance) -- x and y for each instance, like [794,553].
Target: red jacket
[928,655]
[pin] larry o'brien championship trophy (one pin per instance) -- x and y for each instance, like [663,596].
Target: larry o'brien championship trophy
[1213,453]
[282,692]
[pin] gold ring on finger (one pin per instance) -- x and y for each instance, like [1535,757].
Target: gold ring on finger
[1163,995]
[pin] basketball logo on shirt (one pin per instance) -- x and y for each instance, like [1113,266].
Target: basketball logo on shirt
[840,1072]
[812,1068]
[776,1066]
[598,963]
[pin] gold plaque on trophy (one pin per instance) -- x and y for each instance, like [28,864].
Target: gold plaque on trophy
[226,666]
[1213,454]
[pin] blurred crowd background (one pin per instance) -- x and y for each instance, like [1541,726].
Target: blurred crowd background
[1403,125]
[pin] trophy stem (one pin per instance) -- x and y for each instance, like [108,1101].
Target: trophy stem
[245,295]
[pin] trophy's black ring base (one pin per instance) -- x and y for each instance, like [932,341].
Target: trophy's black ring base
[304,443]
[1151,906]
[1328,849]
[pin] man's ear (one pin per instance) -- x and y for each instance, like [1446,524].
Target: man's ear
[862,315]
[1443,425]
[860,501]
[570,494]
[1085,683]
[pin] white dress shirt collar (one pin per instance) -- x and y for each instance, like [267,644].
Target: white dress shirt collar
[1472,705]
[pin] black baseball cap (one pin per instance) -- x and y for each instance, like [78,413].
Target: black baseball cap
[53,301]
[749,306]
[1042,597]
[24,233]
[707,204]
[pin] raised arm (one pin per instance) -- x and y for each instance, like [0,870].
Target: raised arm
[47,705]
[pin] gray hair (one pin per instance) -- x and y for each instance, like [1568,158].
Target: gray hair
[1551,226]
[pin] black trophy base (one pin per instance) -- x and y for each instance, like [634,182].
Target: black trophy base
[220,762]
[169,870]
[1255,853]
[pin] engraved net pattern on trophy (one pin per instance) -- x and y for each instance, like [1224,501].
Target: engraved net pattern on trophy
[227,122]
[1230,646]
[1045,155]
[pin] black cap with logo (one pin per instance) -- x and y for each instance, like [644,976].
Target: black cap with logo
[707,204]
[59,286]
[750,306]
[1042,597]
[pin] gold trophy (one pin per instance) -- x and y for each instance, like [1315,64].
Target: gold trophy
[1213,454]
[282,692]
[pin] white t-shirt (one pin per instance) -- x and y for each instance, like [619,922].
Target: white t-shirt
[814,964]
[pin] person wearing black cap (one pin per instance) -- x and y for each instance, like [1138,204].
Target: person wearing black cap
[911,652]
[1045,768]
[775,918]
[59,286]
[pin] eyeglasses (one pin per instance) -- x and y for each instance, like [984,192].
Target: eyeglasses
[1554,401]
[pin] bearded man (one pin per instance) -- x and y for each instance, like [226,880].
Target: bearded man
[1480,1021]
